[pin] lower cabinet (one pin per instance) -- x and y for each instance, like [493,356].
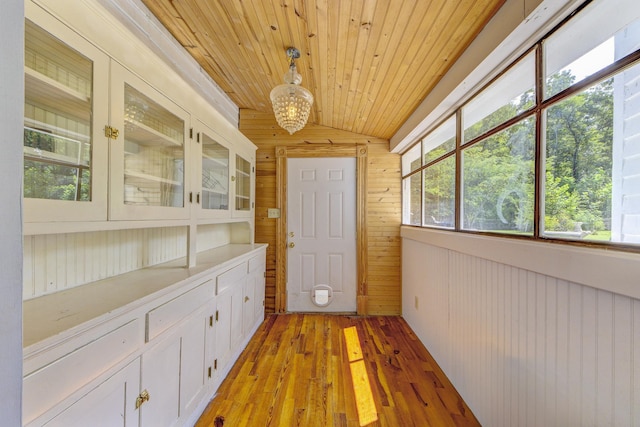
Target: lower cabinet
[254,292]
[159,367]
[174,372]
[229,295]
[112,403]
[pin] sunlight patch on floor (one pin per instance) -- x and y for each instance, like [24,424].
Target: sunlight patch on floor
[367,412]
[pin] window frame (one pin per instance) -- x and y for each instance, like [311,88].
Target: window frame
[537,111]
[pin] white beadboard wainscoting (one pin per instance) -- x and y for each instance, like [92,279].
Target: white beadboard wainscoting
[54,262]
[524,347]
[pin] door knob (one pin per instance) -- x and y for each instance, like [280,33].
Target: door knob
[292,245]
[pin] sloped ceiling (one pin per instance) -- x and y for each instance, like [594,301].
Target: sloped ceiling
[368,63]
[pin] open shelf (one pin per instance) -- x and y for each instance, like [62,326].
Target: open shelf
[139,133]
[207,190]
[148,177]
[215,163]
[52,95]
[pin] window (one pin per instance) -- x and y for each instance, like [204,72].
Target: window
[507,97]
[440,175]
[498,181]
[584,126]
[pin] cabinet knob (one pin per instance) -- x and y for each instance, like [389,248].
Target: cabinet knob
[246,299]
[142,397]
[292,245]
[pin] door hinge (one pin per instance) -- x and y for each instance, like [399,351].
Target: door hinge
[142,397]
[209,371]
[111,133]
[191,197]
[211,320]
[190,133]
[215,364]
[216,315]
[198,137]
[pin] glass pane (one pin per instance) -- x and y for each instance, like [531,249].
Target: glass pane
[153,153]
[243,184]
[592,182]
[215,175]
[440,141]
[602,33]
[498,181]
[57,119]
[411,160]
[439,193]
[411,189]
[507,97]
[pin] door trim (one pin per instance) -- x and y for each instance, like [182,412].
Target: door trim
[360,152]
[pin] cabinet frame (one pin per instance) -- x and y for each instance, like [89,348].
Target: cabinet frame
[118,210]
[49,210]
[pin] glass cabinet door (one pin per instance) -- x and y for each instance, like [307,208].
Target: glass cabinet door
[148,164]
[215,175]
[243,185]
[153,153]
[64,165]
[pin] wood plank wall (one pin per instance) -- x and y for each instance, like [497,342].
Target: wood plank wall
[383,203]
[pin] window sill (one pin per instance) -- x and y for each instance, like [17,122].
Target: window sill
[611,271]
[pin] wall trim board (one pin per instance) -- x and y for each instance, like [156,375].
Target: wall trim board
[608,270]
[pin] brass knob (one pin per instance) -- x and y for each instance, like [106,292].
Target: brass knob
[142,397]
[292,245]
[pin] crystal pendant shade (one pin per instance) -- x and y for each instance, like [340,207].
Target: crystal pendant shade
[291,102]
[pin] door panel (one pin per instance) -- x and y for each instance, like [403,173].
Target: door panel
[321,216]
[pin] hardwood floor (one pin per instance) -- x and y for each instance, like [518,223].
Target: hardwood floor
[327,370]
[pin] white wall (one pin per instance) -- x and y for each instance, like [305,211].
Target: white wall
[54,262]
[11,117]
[522,347]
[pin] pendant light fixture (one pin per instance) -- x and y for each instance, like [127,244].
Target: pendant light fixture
[291,102]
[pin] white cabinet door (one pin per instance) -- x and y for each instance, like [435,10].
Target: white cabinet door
[175,371]
[65,111]
[161,380]
[243,180]
[229,331]
[229,326]
[194,369]
[248,309]
[257,266]
[111,404]
[211,181]
[149,158]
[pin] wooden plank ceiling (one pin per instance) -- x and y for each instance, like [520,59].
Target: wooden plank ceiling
[368,63]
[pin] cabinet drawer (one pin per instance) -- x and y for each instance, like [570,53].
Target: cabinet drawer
[168,314]
[256,263]
[50,385]
[231,277]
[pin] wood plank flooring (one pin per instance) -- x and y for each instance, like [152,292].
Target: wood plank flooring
[329,370]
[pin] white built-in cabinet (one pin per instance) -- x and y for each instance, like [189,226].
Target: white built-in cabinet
[114,142]
[102,144]
[225,177]
[66,107]
[154,361]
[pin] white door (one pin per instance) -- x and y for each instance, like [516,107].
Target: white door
[321,217]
